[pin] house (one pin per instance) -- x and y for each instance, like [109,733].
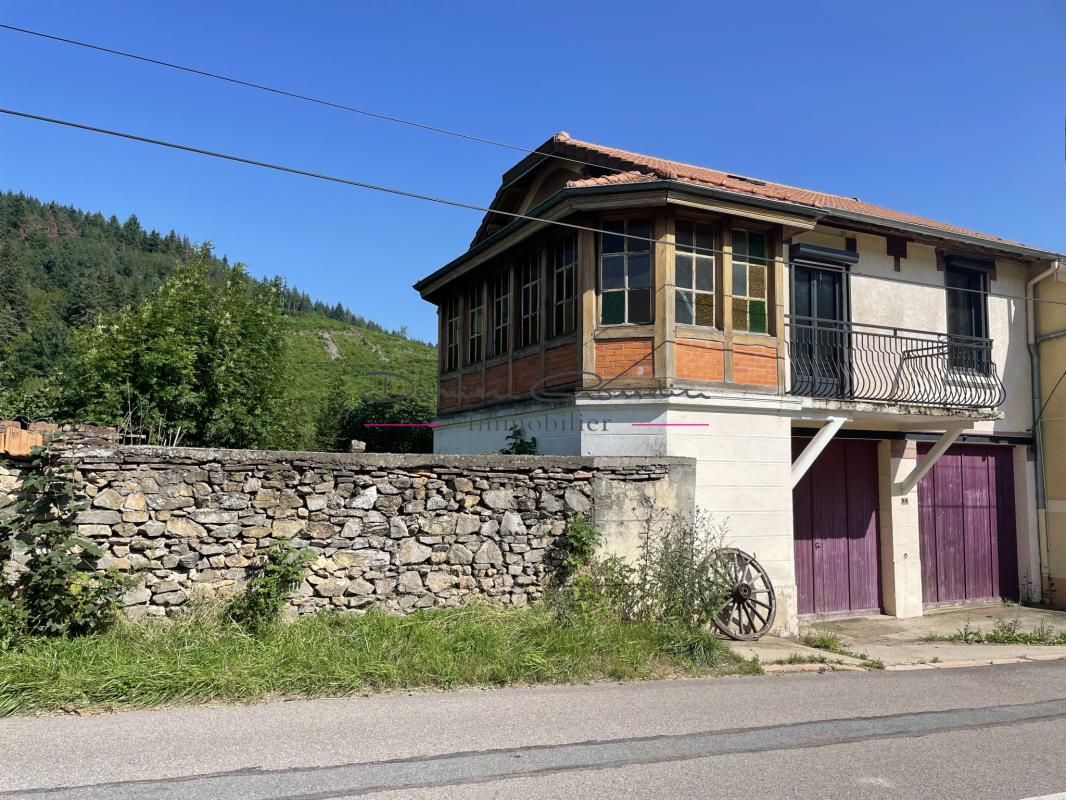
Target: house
[853,382]
[1047,342]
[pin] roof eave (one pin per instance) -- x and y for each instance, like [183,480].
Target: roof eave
[801,209]
[1014,248]
[584,191]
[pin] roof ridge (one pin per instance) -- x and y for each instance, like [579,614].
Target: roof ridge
[582,143]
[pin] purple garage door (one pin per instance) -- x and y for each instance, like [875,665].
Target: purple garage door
[834,510]
[968,542]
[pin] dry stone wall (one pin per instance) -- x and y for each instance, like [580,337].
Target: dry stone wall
[395,531]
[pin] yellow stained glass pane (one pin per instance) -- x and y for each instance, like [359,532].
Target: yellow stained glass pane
[705,309]
[757,281]
[740,314]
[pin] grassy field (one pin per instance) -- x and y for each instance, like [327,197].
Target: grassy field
[203,659]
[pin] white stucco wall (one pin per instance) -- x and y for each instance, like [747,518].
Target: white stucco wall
[743,452]
[557,429]
[897,302]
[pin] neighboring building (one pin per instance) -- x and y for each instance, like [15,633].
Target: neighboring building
[1048,346]
[808,350]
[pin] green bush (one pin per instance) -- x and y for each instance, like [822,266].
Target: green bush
[677,580]
[261,602]
[518,444]
[60,592]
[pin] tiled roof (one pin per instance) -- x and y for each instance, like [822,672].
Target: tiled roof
[641,168]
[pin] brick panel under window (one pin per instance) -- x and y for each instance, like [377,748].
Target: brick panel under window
[754,365]
[624,358]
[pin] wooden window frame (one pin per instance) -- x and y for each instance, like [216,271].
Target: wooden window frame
[475,321]
[453,326]
[561,272]
[530,299]
[501,313]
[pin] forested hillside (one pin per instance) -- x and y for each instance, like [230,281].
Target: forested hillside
[63,270]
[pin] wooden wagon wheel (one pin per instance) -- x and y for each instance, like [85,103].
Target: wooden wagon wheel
[750,605]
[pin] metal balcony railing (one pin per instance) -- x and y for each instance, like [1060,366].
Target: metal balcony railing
[850,361]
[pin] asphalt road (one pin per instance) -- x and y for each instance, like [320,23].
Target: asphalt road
[986,732]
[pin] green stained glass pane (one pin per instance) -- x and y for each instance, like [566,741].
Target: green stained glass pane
[740,244]
[757,315]
[756,246]
[756,281]
[613,308]
[740,314]
[705,309]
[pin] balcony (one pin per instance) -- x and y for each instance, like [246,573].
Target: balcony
[849,361]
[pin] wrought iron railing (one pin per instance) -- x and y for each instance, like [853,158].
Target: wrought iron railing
[850,361]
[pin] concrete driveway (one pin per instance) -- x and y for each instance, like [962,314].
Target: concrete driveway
[904,644]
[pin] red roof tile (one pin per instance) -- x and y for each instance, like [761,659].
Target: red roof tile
[644,168]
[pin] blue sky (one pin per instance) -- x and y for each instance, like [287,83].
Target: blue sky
[953,110]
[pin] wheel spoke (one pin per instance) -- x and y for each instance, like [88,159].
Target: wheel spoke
[753,609]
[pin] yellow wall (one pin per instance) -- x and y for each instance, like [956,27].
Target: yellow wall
[1051,318]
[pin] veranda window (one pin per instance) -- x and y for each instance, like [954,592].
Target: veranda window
[750,269]
[694,274]
[564,287]
[625,272]
[451,333]
[475,325]
[501,312]
[529,307]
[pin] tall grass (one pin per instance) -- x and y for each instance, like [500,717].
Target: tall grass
[204,658]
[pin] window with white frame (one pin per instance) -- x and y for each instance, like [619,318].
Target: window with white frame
[694,274]
[750,281]
[625,272]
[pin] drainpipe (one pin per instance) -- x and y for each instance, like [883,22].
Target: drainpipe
[1034,360]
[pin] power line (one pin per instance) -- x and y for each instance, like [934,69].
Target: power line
[456,203]
[298,96]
